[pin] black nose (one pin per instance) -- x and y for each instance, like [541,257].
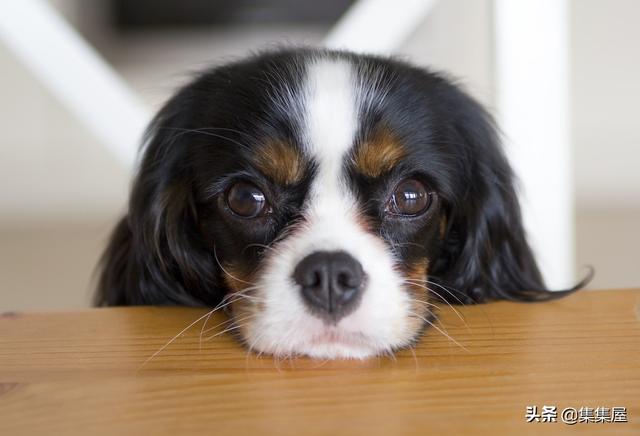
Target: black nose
[331,282]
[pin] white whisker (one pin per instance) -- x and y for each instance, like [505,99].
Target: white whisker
[443,288]
[457,312]
[415,358]
[174,338]
[228,329]
[266,247]
[215,255]
[441,331]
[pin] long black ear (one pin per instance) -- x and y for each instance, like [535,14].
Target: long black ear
[156,254]
[485,252]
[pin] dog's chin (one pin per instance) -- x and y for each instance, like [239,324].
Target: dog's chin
[331,344]
[315,339]
[340,349]
[336,344]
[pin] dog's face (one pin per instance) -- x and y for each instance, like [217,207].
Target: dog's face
[326,217]
[329,199]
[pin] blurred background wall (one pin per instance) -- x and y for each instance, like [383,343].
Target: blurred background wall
[61,191]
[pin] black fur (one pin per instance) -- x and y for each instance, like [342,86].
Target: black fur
[166,250]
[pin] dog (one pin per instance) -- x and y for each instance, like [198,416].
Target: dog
[329,200]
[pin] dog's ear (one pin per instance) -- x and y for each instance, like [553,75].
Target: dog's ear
[485,253]
[156,254]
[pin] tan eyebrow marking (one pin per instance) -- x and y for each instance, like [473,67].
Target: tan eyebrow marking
[280,161]
[379,153]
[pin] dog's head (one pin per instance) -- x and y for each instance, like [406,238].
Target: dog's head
[328,198]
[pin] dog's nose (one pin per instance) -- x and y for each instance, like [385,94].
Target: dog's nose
[332,283]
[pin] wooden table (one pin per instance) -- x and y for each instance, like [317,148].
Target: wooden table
[80,373]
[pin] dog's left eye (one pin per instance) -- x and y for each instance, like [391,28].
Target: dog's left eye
[409,198]
[247,200]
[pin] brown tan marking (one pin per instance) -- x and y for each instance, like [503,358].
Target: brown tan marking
[280,161]
[443,227]
[379,153]
[417,273]
[238,279]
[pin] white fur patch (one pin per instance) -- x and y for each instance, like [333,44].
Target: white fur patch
[380,323]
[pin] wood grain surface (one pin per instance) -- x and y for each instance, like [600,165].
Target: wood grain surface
[81,373]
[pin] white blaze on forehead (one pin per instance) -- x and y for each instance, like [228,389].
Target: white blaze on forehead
[331,124]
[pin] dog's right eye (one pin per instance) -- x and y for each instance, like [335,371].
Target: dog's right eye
[246,200]
[410,198]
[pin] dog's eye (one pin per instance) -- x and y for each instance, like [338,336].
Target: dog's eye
[410,198]
[246,200]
